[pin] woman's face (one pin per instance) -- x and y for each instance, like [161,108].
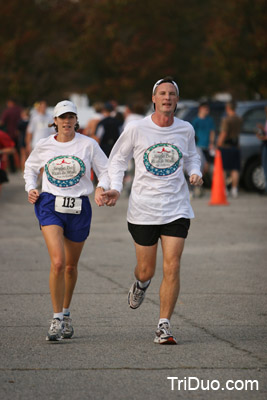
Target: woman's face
[66,123]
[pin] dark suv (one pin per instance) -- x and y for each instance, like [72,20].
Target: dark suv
[252,113]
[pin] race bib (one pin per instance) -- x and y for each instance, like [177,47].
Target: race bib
[68,205]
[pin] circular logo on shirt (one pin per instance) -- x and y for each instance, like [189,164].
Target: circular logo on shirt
[65,171]
[162,159]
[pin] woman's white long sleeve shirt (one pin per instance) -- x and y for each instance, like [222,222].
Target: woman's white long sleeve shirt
[67,166]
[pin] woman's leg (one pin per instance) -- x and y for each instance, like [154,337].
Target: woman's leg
[72,254]
[53,235]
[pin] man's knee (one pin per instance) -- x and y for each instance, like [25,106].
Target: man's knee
[171,270]
[144,272]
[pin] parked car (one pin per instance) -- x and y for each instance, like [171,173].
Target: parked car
[252,113]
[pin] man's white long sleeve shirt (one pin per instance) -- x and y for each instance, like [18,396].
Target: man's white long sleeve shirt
[159,192]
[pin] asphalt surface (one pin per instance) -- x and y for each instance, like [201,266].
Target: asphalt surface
[219,320]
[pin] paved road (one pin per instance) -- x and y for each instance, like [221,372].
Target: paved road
[220,318]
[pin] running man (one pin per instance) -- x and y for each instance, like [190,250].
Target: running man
[159,206]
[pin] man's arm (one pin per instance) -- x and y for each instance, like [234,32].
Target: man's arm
[192,162]
[119,157]
[212,139]
[110,197]
[223,133]
[7,150]
[221,138]
[195,180]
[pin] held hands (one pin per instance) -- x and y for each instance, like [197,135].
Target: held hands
[111,197]
[33,196]
[108,198]
[99,198]
[195,180]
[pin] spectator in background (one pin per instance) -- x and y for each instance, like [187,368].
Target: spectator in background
[116,112]
[9,121]
[262,135]
[205,139]
[22,128]
[205,134]
[108,129]
[7,146]
[228,143]
[133,112]
[38,126]
[96,118]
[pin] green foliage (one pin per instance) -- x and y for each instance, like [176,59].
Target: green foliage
[237,40]
[116,48]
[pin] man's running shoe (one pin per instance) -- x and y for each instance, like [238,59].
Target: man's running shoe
[136,295]
[68,330]
[55,330]
[163,335]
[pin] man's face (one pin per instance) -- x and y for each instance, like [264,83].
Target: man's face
[204,110]
[165,98]
[42,107]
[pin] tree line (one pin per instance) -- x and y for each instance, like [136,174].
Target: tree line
[119,48]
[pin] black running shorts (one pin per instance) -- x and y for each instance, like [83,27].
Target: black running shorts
[148,235]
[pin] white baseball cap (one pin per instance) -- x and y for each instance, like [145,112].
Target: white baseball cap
[63,107]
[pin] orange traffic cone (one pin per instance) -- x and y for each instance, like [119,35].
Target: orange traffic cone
[218,192]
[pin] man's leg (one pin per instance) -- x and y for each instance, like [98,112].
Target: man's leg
[235,180]
[172,248]
[144,271]
[146,261]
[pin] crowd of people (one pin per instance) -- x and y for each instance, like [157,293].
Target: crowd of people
[26,126]
[163,148]
[227,142]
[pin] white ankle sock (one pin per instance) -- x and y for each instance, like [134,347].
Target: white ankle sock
[164,320]
[143,285]
[58,315]
[66,311]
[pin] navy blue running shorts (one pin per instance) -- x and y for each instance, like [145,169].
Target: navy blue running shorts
[76,227]
[148,235]
[231,158]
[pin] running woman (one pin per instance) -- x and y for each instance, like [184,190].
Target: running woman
[63,208]
[159,207]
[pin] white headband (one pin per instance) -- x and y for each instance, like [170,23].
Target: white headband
[163,81]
